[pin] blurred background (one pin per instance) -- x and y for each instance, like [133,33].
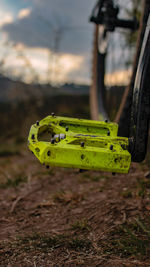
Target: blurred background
[46,60]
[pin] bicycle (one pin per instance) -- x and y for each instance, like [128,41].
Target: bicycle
[105,16]
[95,145]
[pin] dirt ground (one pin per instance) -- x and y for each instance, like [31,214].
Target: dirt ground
[60,217]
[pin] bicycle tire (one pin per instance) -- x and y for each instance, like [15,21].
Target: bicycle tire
[140,111]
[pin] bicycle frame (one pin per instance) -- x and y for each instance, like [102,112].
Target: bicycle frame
[105,16]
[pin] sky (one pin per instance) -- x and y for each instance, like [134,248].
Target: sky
[48,40]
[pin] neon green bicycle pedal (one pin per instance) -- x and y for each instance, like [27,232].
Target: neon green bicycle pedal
[79,143]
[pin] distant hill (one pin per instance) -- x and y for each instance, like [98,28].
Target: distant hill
[22,104]
[18,91]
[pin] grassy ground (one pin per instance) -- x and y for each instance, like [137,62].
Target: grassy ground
[60,217]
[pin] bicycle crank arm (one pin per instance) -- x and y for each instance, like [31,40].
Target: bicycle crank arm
[79,143]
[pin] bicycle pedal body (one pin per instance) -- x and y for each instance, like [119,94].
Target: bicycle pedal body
[79,143]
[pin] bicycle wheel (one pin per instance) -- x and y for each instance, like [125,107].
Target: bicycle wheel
[140,110]
[109,57]
[123,116]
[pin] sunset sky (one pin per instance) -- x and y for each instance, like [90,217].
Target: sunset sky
[48,41]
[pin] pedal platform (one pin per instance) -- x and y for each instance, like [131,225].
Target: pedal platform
[79,143]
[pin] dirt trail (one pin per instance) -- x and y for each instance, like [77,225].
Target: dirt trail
[60,217]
